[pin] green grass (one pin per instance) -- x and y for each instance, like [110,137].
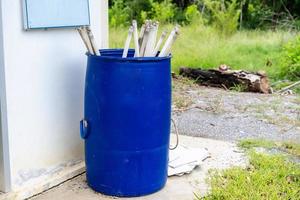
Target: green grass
[250,143]
[268,177]
[200,46]
[289,147]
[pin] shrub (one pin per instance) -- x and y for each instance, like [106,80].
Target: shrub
[225,15]
[164,11]
[122,12]
[291,60]
[280,14]
[257,15]
[192,14]
[119,14]
[140,10]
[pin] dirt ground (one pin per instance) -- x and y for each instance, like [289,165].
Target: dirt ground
[228,115]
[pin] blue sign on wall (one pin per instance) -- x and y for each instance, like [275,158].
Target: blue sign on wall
[55,13]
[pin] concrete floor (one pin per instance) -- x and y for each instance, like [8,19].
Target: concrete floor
[226,155]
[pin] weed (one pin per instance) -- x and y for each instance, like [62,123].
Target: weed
[250,143]
[267,177]
[239,88]
[289,147]
[181,101]
[292,148]
[276,112]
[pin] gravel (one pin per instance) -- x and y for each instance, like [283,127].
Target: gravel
[227,127]
[231,116]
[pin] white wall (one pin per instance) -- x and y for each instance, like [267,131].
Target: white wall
[2,180]
[4,159]
[5,179]
[44,76]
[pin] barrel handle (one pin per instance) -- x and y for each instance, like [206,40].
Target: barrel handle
[84,129]
[177,135]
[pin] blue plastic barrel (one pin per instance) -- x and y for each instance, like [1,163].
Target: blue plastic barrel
[126,123]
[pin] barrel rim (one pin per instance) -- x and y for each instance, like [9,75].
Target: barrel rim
[131,59]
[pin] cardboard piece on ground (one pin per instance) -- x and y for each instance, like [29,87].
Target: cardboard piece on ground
[184,160]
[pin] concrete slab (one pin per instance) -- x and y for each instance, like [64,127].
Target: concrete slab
[46,181]
[223,155]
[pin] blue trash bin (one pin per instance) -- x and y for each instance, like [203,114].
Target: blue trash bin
[126,124]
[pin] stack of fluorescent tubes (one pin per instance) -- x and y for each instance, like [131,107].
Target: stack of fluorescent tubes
[89,40]
[146,44]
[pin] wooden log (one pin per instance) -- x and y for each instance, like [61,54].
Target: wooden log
[251,82]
